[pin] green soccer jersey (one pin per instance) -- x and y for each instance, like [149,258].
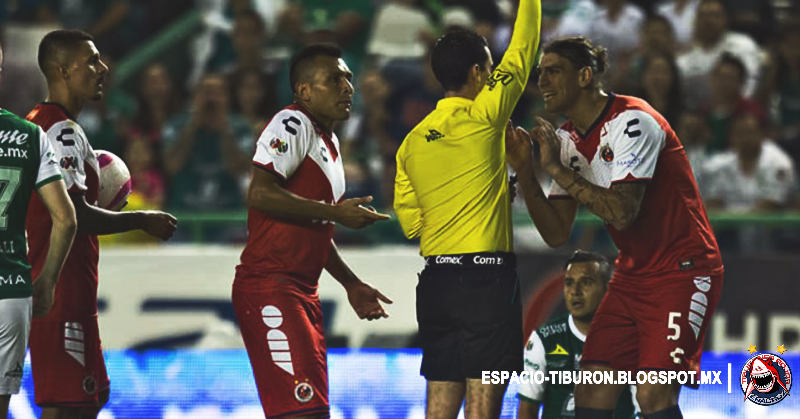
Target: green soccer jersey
[27,162]
[557,346]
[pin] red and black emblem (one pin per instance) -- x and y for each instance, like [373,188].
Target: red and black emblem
[606,154]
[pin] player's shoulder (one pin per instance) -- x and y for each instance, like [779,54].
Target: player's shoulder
[554,326]
[292,120]
[48,114]
[630,114]
[11,119]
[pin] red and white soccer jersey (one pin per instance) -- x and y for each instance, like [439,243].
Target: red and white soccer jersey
[66,354]
[631,142]
[301,152]
[275,290]
[668,276]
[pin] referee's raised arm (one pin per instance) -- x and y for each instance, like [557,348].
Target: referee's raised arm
[505,86]
[452,191]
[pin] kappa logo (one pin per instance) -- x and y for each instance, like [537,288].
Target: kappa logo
[433,135]
[766,378]
[501,77]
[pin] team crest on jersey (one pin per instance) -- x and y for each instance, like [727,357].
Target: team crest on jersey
[277,147]
[606,153]
[89,385]
[303,392]
[766,378]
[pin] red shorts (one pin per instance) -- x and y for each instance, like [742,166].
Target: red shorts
[282,331]
[67,364]
[653,324]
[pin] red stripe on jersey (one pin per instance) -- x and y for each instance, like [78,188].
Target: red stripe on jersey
[268,168]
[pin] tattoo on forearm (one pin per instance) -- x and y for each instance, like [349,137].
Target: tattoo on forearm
[618,206]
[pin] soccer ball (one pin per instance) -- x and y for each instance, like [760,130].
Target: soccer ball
[115,181]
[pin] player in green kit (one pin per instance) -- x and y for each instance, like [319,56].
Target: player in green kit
[27,164]
[558,344]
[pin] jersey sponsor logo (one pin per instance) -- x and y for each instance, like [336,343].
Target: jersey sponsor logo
[69,163]
[277,147]
[15,372]
[766,378]
[7,246]
[433,135]
[14,153]
[558,351]
[491,260]
[553,329]
[628,163]
[303,392]
[276,339]
[501,77]
[11,280]
[606,153]
[8,137]
[449,260]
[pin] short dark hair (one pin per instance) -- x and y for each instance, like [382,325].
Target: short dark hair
[729,59]
[253,15]
[582,256]
[302,61]
[580,52]
[453,56]
[57,42]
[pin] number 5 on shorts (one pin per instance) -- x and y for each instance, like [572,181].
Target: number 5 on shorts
[673,326]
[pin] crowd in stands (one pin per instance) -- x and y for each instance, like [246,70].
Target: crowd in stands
[724,73]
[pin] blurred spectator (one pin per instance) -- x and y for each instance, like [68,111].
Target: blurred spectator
[755,175]
[207,151]
[399,31]
[115,24]
[711,39]
[106,121]
[727,100]
[149,183]
[614,24]
[781,84]
[253,97]
[661,85]
[681,14]
[657,37]
[158,101]
[692,128]
[754,18]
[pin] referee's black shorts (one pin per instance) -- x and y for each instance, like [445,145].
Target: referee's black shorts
[469,314]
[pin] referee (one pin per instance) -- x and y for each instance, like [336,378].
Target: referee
[452,191]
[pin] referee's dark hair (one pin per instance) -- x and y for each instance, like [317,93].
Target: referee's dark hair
[580,51]
[55,48]
[302,64]
[605,269]
[453,56]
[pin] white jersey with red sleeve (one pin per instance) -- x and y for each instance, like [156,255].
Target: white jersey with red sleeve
[305,157]
[631,142]
[76,293]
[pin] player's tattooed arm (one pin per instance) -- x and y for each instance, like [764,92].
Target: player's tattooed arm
[618,206]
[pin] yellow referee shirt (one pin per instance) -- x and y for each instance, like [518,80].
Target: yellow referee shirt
[451,187]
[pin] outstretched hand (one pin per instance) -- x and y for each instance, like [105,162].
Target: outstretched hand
[519,152]
[366,301]
[549,144]
[351,214]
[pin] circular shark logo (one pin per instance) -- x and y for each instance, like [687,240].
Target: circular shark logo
[766,379]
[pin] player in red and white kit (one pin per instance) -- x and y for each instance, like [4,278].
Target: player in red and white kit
[619,158]
[294,197]
[69,374]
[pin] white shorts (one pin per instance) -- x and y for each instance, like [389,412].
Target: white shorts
[15,327]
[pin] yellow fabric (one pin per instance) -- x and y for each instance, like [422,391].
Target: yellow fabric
[451,187]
